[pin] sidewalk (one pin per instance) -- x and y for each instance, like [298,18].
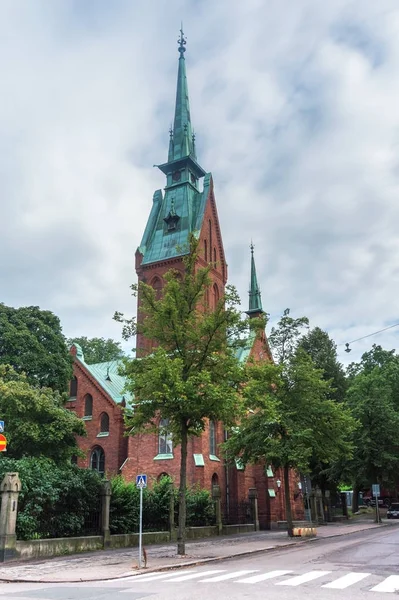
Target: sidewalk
[116,564]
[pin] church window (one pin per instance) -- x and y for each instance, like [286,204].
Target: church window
[210,239]
[156,283]
[104,423]
[214,257]
[215,290]
[206,298]
[212,438]
[73,387]
[88,407]
[215,480]
[205,250]
[97,460]
[165,444]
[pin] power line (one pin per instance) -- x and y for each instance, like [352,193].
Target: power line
[347,349]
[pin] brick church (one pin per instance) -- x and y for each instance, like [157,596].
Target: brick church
[186,206]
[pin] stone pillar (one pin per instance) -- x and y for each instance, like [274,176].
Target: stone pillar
[327,500]
[172,528]
[10,488]
[105,508]
[313,506]
[216,495]
[320,507]
[253,498]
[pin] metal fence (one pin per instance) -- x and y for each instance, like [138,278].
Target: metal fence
[92,521]
[237,513]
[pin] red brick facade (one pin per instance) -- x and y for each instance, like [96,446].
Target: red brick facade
[140,454]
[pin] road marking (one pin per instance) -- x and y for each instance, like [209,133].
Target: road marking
[390,584]
[263,576]
[293,581]
[195,575]
[228,576]
[154,576]
[346,581]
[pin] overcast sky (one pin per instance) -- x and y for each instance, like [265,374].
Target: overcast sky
[296,109]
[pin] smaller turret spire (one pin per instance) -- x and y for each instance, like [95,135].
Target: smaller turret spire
[255,302]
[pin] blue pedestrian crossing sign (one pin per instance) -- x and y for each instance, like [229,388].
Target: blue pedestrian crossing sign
[141,481]
[1,426]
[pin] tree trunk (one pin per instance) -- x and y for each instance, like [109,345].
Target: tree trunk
[355,499]
[288,511]
[181,535]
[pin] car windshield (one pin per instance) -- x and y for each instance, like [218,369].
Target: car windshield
[394,507]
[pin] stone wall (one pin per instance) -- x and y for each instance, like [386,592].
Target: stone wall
[35,549]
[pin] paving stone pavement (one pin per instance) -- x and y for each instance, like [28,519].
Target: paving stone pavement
[113,564]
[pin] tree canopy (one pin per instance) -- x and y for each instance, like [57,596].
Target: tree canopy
[97,350]
[192,374]
[32,342]
[36,422]
[291,420]
[373,399]
[323,352]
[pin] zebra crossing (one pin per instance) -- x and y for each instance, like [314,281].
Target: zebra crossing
[325,579]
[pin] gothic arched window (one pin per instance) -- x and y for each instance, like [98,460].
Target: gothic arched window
[214,257]
[73,387]
[215,480]
[104,423]
[88,406]
[215,291]
[165,444]
[156,283]
[205,251]
[212,438]
[97,460]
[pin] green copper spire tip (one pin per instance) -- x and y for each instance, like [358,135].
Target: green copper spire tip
[255,302]
[182,41]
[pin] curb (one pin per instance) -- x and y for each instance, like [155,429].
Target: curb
[192,563]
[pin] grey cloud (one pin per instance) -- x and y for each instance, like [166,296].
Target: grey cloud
[292,118]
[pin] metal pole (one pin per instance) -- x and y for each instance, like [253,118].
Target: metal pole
[141,525]
[377,508]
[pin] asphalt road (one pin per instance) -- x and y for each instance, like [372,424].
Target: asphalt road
[359,566]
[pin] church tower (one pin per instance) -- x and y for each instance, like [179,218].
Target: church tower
[186,206]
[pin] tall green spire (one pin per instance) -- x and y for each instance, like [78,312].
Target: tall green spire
[182,131]
[255,302]
[182,166]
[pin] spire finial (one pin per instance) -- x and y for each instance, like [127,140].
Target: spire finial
[182,41]
[252,247]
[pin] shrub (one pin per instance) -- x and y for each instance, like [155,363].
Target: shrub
[125,506]
[55,501]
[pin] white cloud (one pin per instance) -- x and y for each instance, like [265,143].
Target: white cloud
[295,108]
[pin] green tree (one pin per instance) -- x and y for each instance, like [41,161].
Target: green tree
[97,350]
[373,399]
[283,339]
[192,375]
[37,424]
[323,351]
[291,420]
[31,340]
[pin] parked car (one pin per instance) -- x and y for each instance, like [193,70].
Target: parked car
[393,511]
[381,501]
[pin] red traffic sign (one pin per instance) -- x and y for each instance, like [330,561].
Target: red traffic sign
[3,443]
